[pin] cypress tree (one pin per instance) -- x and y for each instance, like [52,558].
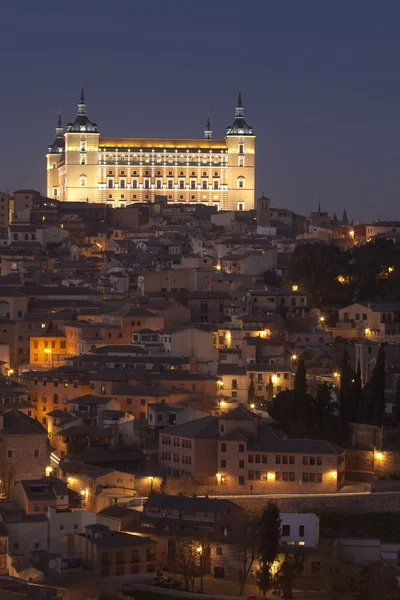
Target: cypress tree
[300,379]
[269,535]
[251,394]
[344,395]
[372,406]
[344,218]
[355,393]
[397,402]
[270,390]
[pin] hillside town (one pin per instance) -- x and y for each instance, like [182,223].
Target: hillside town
[180,384]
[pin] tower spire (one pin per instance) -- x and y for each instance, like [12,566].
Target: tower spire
[239,110]
[59,128]
[208,130]
[82,104]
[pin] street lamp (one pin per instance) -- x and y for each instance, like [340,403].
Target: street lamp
[48,351]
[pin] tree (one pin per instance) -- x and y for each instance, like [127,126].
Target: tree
[355,393]
[248,549]
[187,559]
[372,406]
[339,577]
[397,402]
[285,577]
[315,268]
[293,412]
[204,550]
[344,395]
[345,218]
[251,393]
[324,411]
[270,533]
[270,390]
[300,379]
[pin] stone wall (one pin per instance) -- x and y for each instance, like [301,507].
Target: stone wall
[346,503]
[367,436]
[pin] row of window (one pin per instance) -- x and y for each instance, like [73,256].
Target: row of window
[10,454]
[48,344]
[176,441]
[186,460]
[170,185]
[286,476]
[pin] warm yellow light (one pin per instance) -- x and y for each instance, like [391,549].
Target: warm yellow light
[322,318]
[151,479]
[222,403]
[218,476]
[367,331]
[48,471]
[341,279]
[336,374]
[274,378]
[228,335]
[391,269]
[294,357]
[252,405]
[270,476]
[334,474]
[69,480]
[351,233]
[295,288]
[379,455]
[10,371]
[199,549]
[218,267]
[47,350]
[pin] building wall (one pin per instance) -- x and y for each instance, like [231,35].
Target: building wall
[247,471]
[23,456]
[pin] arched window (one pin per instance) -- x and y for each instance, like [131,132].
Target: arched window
[241,180]
[82,180]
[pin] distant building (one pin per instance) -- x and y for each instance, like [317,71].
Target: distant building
[82,165]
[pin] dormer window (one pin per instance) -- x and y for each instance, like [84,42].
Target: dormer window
[83,128]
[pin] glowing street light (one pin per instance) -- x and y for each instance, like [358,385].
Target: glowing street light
[322,318]
[295,288]
[252,405]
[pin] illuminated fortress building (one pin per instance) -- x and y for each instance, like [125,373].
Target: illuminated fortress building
[82,165]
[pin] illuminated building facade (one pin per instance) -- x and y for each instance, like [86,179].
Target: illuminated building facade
[82,165]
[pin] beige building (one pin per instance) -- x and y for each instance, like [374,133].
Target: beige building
[82,165]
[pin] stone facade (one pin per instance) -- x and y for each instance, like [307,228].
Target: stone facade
[82,165]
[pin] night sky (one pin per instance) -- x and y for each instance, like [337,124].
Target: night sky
[320,84]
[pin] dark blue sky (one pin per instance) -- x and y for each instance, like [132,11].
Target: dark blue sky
[320,84]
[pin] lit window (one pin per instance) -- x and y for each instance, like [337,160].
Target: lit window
[82,180]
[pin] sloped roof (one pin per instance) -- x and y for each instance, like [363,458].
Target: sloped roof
[205,427]
[16,422]
[240,413]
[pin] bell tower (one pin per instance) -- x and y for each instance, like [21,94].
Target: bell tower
[82,157]
[240,143]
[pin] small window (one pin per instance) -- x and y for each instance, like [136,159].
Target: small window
[285,530]
[301,530]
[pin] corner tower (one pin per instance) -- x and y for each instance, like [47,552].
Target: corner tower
[240,143]
[55,161]
[81,157]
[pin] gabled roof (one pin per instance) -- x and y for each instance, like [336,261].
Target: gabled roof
[206,427]
[240,413]
[16,422]
[269,441]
